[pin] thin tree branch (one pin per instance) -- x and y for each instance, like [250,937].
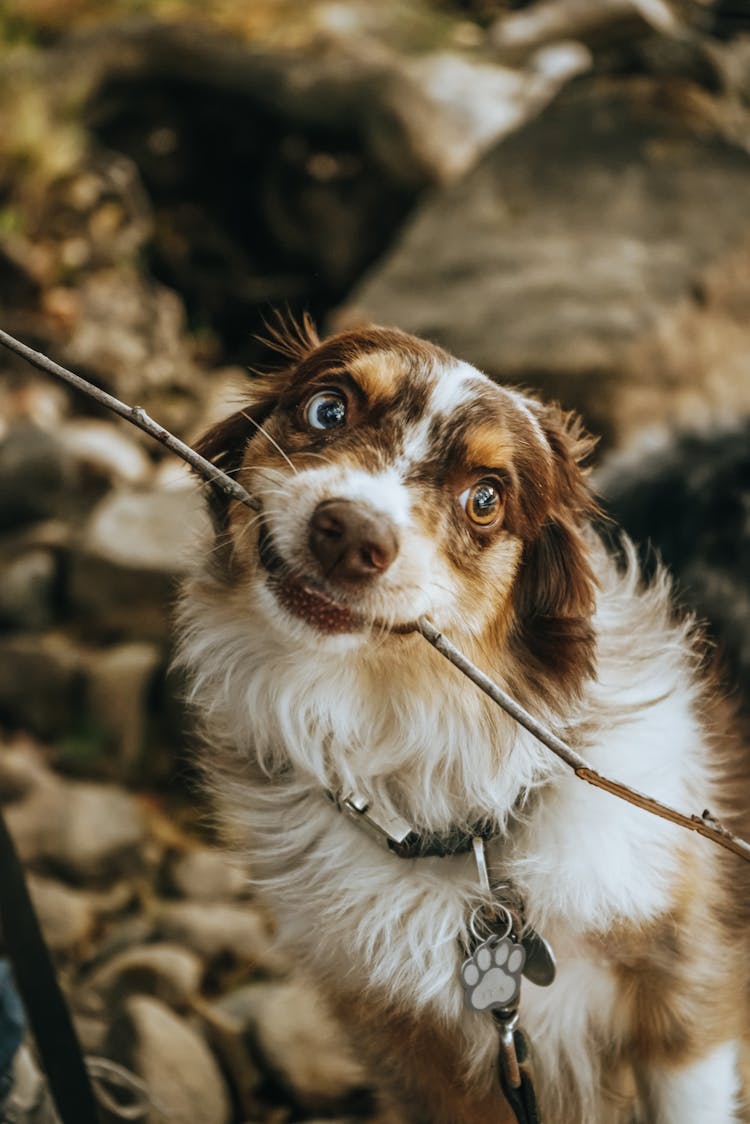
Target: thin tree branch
[138,416]
[704,824]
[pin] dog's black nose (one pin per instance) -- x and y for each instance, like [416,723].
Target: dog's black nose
[352,542]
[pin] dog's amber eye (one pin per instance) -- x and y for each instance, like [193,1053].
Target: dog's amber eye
[482,503]
[326,410]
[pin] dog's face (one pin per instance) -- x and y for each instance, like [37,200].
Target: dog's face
[396,481]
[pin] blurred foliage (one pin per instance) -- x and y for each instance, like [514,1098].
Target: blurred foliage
[415,24]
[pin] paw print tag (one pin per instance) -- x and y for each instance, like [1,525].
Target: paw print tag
[491,977]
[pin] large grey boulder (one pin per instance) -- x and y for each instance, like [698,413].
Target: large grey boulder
[602,253]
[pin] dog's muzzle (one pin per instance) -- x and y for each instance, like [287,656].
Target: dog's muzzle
[353,543]
[304,598]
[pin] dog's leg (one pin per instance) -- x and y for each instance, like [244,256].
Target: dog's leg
[706,1092]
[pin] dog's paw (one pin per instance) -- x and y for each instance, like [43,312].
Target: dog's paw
[492,975]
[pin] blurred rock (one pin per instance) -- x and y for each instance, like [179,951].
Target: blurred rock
[22,769]
[89,832]
[38,478]
[106,451]
[733,61]
[129,334]
[594,22]
[29,591]
[134,547]
[344,78]
[288,1028]
[41,683]
[577,258]
[340,131]
[687,497]
[207,876]
[165,972]
[439,113]
[30,399]
[184,1082]
[102,204]
[227,1037]
[219,931]
[91,1031]
[122,934]
[67,917]
[119,683]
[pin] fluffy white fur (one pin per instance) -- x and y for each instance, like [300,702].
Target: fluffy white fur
[348,715]
[290,714]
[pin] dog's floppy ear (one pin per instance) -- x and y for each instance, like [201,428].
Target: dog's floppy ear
[555,588]
[224,445]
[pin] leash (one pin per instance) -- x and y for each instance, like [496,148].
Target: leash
[520,1097]
[47,1010]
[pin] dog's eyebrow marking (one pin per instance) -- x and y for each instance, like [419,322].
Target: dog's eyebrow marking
[488,445]
[378,373]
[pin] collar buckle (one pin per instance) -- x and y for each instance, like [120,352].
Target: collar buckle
[389,830]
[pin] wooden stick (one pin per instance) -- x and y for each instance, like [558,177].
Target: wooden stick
[138,416]
[704,824]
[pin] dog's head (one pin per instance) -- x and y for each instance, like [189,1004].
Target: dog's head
[397,481]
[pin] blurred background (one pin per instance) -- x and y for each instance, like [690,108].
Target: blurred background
[555,190]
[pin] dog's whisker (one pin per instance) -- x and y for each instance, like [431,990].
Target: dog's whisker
[269,437]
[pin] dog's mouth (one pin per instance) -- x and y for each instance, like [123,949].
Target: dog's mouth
[303,598]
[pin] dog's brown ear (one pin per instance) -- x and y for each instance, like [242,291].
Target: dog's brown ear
[224,445]
[555,589]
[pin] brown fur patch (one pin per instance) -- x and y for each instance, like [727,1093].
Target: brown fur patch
[488,445]
[380,375]
[422,1064]
[554,594]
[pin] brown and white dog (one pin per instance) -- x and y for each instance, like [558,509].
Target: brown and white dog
[396,482]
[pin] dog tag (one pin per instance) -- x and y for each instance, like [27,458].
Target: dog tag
[491,977]
[540,967]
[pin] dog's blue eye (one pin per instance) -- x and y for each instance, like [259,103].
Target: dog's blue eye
[326,410]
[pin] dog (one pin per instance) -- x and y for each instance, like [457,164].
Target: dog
[398,483]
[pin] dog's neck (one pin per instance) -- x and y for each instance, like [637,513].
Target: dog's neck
[390,721]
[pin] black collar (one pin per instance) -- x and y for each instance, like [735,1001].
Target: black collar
[397,836]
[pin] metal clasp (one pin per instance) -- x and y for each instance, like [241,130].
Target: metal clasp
[390,831]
